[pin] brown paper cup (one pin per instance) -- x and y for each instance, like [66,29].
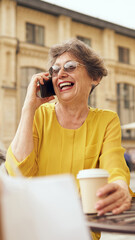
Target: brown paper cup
[90,181]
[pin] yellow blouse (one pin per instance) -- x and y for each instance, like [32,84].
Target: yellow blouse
[96,144]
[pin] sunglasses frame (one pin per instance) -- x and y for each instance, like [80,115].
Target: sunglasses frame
[64,68]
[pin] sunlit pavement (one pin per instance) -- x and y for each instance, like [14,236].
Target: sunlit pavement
[116,236]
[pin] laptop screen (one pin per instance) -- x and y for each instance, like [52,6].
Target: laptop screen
[42,208]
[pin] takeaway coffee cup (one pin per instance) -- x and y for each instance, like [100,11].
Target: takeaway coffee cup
[90,181]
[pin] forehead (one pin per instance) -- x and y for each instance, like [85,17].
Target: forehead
[65,57]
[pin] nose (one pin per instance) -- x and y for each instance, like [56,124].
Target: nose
[62,73]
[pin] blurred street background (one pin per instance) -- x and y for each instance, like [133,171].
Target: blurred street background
[29,28]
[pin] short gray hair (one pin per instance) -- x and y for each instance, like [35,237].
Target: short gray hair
[94,64]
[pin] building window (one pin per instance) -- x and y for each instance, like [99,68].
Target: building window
[26,74]
[126,107]
[123,55]
[85,40]
[34,34]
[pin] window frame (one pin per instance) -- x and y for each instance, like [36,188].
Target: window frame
[26,75]
[123,55]
[35,28]
[126,107]
[84,39]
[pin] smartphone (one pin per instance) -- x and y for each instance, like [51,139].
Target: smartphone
[47,89]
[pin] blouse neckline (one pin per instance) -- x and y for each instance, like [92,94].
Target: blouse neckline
[68,129]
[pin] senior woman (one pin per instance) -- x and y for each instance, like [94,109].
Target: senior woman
[67,136]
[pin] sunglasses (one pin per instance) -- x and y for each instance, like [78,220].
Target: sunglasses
[68,67]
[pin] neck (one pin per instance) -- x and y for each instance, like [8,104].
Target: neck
[71,117]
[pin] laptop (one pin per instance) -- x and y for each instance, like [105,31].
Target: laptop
[42,208]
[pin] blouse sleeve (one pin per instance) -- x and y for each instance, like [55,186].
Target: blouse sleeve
[112,153]
[28,167]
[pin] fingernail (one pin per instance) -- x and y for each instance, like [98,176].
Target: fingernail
[98,194]
[97,206]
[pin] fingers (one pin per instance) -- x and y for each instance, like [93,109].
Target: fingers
[39,77]
[34,83]
[108,206]
[125,206]
[108,200]
[114,198]
[107,189]
[32,100]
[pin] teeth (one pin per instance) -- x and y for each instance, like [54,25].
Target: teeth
[65,84]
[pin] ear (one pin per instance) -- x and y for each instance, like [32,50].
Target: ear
[94,83]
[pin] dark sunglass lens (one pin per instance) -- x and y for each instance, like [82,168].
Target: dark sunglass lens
[70,66]
[55,69]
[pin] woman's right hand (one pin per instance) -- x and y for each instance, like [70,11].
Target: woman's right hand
[24,134]
[32,100]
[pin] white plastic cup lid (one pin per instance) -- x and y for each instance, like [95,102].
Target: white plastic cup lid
[91,173]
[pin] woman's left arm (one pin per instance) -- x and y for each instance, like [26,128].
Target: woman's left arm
[115,198]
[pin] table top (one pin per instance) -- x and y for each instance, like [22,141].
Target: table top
[121,223]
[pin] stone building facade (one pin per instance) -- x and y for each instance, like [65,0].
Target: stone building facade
[29,28]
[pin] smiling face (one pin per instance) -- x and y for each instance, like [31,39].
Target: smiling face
[72,83]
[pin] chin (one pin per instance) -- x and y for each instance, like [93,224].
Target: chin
[67,99]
